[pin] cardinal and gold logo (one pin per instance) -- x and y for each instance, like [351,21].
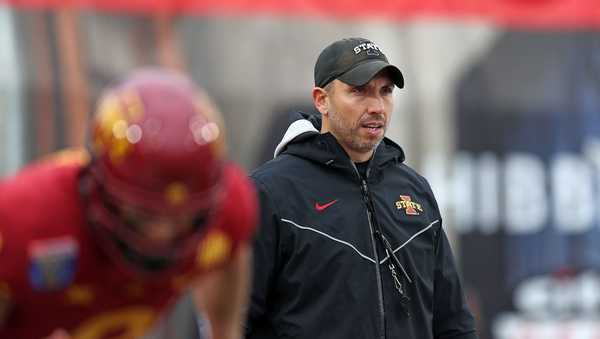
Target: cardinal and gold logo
[410,207]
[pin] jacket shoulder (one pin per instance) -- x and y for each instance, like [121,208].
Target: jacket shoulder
[413,175]
[282,167]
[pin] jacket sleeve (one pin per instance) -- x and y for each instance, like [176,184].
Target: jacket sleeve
[265,256]
[452,318]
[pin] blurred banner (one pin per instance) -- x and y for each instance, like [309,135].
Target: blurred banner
[526,184]
[574,13]
[501,112]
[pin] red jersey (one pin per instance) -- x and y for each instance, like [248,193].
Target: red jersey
[56,276]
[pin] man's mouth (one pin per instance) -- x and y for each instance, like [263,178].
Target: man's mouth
[373,126]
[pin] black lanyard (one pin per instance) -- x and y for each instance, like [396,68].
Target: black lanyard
[393,259]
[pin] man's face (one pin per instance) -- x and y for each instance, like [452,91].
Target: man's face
[358,116]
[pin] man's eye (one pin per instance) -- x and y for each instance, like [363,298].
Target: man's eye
[387,90]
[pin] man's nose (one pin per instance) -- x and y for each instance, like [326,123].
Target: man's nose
[376,105]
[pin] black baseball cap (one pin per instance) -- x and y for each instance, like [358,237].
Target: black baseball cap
[354,61]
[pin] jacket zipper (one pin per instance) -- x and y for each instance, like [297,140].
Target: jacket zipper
[365,195]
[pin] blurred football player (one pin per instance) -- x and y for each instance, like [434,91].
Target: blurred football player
[98,249]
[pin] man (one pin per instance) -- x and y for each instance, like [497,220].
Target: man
[351,243]
[96,250]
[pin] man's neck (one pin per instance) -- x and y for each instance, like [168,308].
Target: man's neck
[354,155]
[358,157]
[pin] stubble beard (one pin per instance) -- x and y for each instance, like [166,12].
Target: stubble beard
[349,136]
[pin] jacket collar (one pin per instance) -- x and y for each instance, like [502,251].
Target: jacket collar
[303,139]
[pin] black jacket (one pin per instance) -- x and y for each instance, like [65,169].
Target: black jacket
[321,269]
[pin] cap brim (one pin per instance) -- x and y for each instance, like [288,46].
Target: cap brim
[364,72]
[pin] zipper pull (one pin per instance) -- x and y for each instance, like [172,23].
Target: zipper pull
[404,299]
[393,257]
[397,282]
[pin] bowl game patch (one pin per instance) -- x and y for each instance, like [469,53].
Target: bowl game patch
[52,263]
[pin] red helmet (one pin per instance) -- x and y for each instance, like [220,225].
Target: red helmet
[157,149]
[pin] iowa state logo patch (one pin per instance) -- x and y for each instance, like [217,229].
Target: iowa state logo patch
[410,207]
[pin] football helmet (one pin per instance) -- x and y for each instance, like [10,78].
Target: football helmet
[158,152]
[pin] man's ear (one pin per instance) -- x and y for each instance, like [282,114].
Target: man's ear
[320,100]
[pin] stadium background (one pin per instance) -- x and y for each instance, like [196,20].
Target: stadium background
[501,112]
